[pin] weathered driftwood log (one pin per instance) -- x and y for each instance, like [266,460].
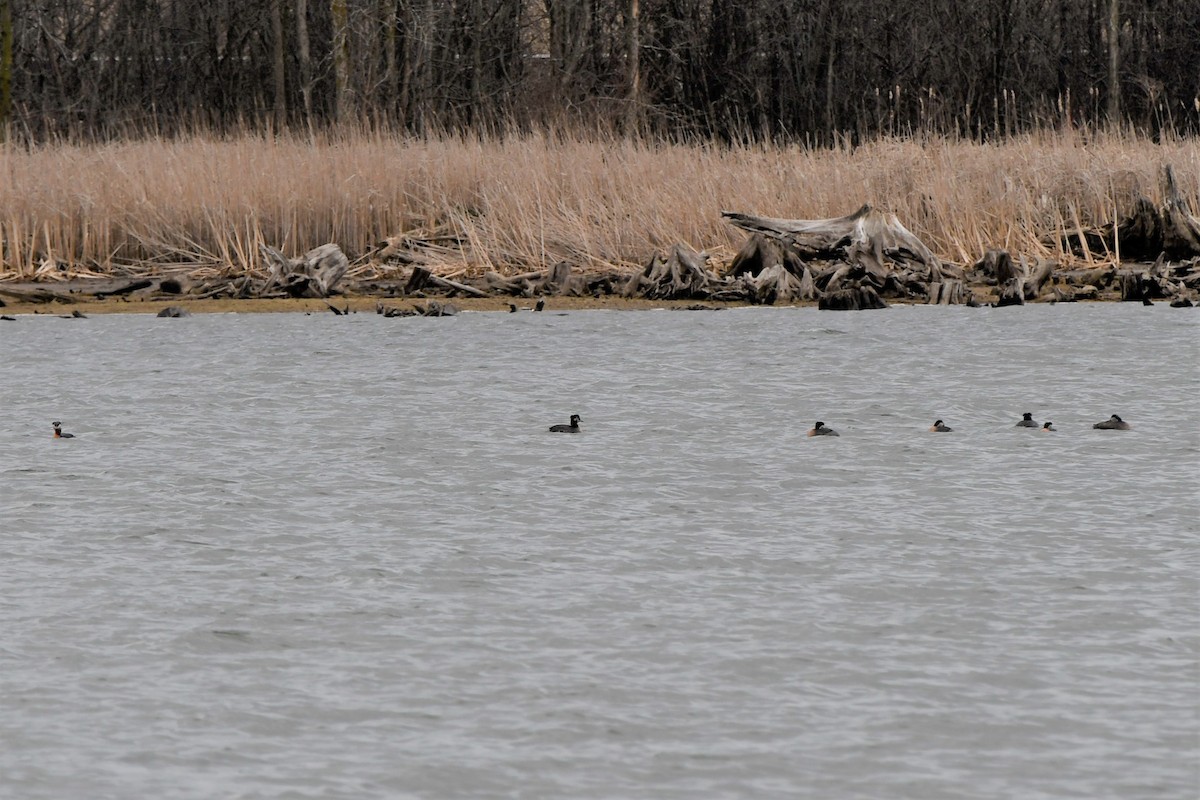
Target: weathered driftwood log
[455,286]
[314,274]
[859,298]
[682,276]
[35,295]
[422,277]
[517,286]
[131,286]
[174,311]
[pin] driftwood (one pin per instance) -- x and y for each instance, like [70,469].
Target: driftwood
[173,285]
[859,298]
[1017,280]
[948,292]
[174,311]
[682,276]
[315,274]
[772,272]
[867,249]
[1147,231]
[35,295]
[1147,285]
[132,286]
[868,235]
[422,277]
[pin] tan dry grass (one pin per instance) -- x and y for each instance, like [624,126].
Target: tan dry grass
[526,202]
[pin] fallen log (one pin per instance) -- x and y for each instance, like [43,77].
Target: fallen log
[132,286]
[517,286]
[35,295]
[455,286]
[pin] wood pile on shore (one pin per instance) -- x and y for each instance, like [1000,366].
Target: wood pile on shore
[858,261]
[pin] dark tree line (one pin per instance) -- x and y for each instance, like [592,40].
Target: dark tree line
[730,69]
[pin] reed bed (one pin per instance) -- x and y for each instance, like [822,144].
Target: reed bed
[522,203]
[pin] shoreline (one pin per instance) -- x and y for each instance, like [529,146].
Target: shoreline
[368,303]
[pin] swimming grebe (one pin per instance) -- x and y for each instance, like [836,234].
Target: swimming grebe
[572,428]
[1049,426]
[1026,421]
[1113,423]
[939,427]
[819,429]
[58,434]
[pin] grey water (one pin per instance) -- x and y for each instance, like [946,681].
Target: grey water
[292,556]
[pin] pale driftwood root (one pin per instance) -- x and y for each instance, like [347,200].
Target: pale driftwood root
[868,249]
[314,274]
[683,275]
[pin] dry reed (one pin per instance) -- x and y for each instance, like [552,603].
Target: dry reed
[523,203]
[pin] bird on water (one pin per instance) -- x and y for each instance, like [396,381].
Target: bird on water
[819,429]
[1049,426]
[941,427]
[572,428]
[1026,421]
[1113,423]
[58,432]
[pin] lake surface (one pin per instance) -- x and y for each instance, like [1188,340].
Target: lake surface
[295,556]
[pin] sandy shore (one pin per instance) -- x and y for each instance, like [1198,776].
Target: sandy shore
[360,304]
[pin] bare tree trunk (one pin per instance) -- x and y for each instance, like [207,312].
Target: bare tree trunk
[340,18]
[305,59]
[277,66]
[1114,62]
[6,66]
[633,77]
[391,76]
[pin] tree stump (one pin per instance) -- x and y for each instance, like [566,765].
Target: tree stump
[682,276]
[859,298]
[314,274]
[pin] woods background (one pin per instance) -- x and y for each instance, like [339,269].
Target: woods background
[810,70]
